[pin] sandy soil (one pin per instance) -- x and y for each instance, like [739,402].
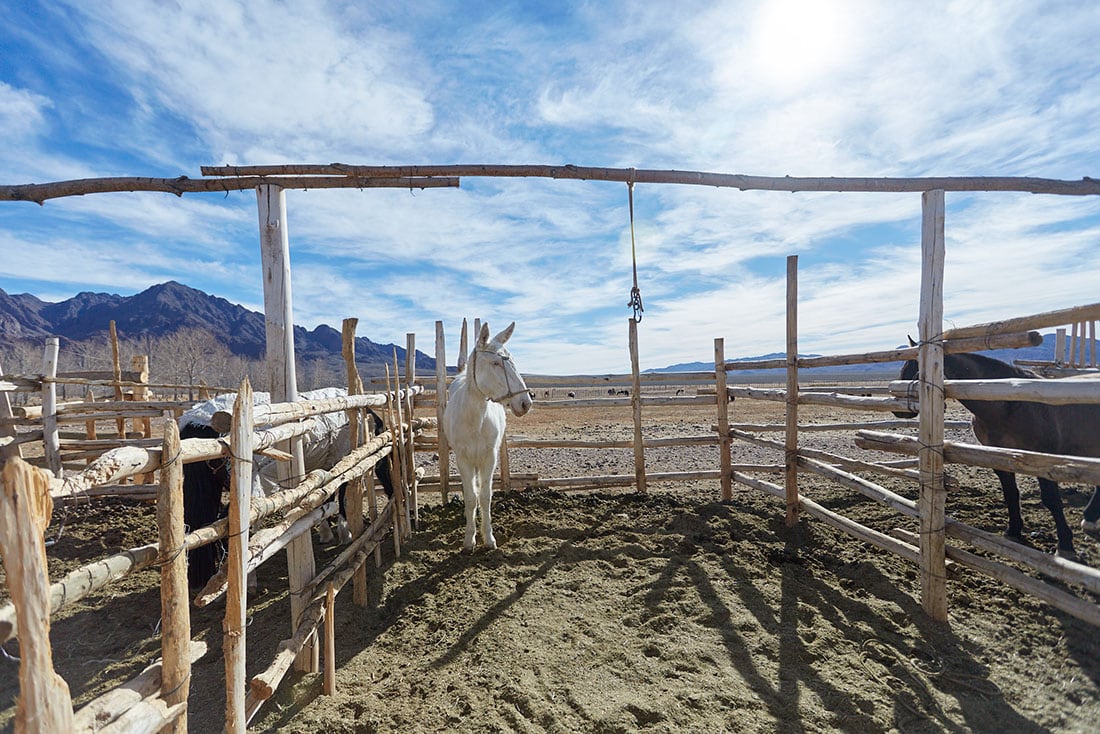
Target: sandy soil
[611,611]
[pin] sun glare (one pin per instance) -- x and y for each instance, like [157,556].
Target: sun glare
[797,41]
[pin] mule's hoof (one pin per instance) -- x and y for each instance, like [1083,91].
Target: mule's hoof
[491,544]
[1016,538]
[1068,555]
[1090,526]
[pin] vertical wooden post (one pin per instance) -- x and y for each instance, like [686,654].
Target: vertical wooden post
[399,448]
[89,426]
[50,438]
[283,382]
[328,685]
[721,395]
[1092,344]
[1060,346]
[636,405]
[6,428]
[505,472]
[790,443]
[410,455]
[175,633]
[140,364]
[1073,346]
[25,507]
[440,407]
[930,458]
[116,365]
[236,595]
[395,470]
[354,496]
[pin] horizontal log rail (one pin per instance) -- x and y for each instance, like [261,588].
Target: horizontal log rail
[1085,186]
[1045,320]
[40,193]
[1065,391]
[974,343]
[1056,467]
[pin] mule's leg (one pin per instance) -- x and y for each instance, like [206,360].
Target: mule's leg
[1052,500]
[484,501]
[1015,530]
[469,496]
[1090,523]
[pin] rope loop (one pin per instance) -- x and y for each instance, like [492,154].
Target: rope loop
[635,302]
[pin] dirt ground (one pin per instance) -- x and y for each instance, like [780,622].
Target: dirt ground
[614,612]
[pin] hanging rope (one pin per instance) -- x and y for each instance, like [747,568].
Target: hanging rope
[635,294]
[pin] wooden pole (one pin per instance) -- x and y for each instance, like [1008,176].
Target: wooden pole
[636,405]
[410,457]
[116,366]
[8,430]
[144,425]
[721,396]
[790,442]
[354,496]
[236,600]
[930,364]
[44,704]
[441,406]
[175,641]
[463,347]
[50,438]
[283,382]
[329,684]
[1060,346]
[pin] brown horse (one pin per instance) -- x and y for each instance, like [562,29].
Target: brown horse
[1072,430]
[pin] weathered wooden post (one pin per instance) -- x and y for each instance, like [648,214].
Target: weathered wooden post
[50,438]
[7,430]
[236,595]
[636,405]
[410,455]
[930,365]
[175,640]
[354,496]
[440,406]
[44,704]
[790,442]
[721,396]
[282,379]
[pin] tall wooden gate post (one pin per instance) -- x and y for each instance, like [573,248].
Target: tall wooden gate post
[440,407]
[636,404]
[283,383]
[930,364]
[790,441]
[721,397]
[50,439]
[236,597]
[175,611]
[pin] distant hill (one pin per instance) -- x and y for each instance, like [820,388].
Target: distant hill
[165,308]
[1044,351]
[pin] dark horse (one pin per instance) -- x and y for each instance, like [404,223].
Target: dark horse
[1072,430]
[205,481]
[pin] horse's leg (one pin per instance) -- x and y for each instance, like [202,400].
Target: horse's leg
[484,500]
[1015,529]
[1090,523]
[1052,500]
[469,496]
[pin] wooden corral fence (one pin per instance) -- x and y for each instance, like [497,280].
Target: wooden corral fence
[157,698]
[30,488]
[711,388]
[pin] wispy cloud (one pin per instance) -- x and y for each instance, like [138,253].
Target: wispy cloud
[843,88]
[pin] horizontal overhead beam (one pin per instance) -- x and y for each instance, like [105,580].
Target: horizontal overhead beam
[39,193]
[1085,186]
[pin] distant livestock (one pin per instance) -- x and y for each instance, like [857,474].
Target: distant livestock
[205,481]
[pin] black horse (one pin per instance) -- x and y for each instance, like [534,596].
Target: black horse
[1072,430]
[204,482]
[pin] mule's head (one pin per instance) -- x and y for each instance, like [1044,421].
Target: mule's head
[494,373]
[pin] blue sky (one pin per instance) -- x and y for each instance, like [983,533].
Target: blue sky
[848,88]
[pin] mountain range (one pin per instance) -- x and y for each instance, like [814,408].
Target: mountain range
[1044,351]
[165,308]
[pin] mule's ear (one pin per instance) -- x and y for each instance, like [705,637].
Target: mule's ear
[505,335]
[483,335]
[911,342]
